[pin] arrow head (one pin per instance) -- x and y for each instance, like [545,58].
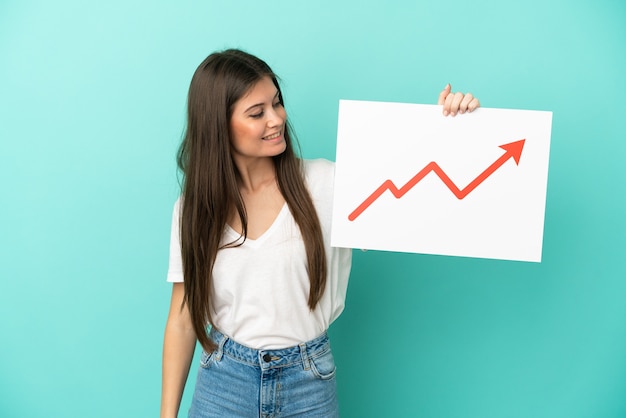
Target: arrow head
[514,149]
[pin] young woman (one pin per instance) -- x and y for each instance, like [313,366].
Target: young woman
[250,254]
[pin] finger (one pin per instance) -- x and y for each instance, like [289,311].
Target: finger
[444,93]
[456,102]
[447,104]
[473,105]
[465,102]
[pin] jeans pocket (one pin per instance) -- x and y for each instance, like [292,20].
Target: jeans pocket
[323,365]
[206,359]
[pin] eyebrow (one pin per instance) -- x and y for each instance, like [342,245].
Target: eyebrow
[260,104]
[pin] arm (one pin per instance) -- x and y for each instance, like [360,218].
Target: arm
[178,346]
[454,103]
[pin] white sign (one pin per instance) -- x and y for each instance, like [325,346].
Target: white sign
[409,179]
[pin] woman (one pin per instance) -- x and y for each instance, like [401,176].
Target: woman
[250,237]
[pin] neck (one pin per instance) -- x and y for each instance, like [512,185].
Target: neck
[256,174]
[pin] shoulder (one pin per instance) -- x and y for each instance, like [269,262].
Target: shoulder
[318,171]
[177,204]
[319,164]
[319,176]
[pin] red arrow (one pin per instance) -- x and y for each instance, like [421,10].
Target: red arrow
[512,150]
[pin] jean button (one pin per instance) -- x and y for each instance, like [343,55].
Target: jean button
[267,358]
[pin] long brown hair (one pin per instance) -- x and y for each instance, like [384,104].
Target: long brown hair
[210,188]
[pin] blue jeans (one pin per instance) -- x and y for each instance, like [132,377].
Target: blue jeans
[237,381]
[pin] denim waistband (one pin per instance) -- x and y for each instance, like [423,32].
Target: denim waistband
[283,357]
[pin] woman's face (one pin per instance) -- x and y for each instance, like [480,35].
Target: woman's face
[257,125]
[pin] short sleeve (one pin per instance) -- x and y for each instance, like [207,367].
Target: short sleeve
[175,269]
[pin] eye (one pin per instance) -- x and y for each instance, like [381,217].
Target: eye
[257,115]
[277,104]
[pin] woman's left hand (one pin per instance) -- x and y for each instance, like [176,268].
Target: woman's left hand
[454,103]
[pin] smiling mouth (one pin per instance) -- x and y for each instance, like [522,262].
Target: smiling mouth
[273,136]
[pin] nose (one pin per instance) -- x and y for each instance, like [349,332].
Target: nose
[276,117]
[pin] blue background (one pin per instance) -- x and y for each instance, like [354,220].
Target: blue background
[92,104]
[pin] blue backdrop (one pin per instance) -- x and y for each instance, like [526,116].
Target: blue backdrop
[92,103]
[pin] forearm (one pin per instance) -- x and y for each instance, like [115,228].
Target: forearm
[178,348]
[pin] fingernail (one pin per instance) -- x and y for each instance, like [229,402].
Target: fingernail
[445,113]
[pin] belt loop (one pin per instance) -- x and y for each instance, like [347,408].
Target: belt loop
[305,356]
[220,348]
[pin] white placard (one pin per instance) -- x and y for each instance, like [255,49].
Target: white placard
[409,179]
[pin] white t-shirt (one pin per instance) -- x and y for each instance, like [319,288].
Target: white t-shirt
[261,288]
